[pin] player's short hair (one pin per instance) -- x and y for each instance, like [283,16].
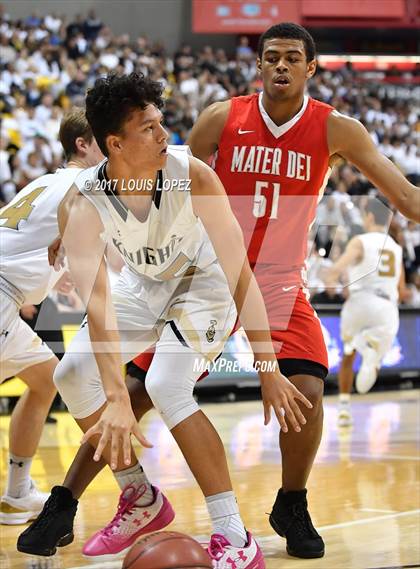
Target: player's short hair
[112,99]
[289,30]
[73,125]
[379,208]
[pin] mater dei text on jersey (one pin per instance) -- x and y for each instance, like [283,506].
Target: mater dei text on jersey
[263,160]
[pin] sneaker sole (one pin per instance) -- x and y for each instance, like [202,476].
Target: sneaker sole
[17,519]
[291,552]
[63,541]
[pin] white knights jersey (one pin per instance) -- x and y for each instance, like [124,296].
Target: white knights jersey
[171,240]
[380,269]
[28,225]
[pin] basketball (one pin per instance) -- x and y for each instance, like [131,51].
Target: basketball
[167,550]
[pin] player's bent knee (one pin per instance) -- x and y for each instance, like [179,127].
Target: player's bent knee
[315,396]
[312,388]
[140,400]
[173,399]
[79,389]
[65,380]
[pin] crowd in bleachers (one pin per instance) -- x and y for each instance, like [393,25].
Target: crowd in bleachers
[48,63]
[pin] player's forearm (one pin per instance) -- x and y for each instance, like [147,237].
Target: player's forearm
[106,346]
[251,309]
[391,182]
[253,317]
[402,194]
[243,287]
[349,139]
[411,209]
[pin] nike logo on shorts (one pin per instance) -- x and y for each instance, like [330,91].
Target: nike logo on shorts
[287,288]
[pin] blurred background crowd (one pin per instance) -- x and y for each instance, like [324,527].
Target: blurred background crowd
[48,63]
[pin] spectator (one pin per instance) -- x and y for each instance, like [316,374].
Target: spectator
[77,86]
[33,168]
[75,27]
[411,235]
[414,290]
[92,26]
[44,109]
[243,51]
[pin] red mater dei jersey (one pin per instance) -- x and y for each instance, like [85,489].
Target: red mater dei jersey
[274,176]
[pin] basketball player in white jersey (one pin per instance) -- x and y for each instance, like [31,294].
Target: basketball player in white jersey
[28,224]
[184,253]
[369,317]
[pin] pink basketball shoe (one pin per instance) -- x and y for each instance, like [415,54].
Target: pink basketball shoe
[225,556]
[130,522]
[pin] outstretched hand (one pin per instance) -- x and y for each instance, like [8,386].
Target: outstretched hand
[278,392]
[115,426]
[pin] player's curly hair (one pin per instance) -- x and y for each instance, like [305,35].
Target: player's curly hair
[289,30]
[113,98]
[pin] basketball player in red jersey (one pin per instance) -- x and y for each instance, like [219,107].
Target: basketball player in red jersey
[274,152]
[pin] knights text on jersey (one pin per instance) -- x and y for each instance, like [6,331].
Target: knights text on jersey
[170,240]
[275,176]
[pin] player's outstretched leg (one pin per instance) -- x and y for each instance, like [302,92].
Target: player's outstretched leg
[290,517]
[345,385]
[368,372]
[54,526]
[142,508]
[367,345]
[170,383]
[84,469]
[22,501]
[223,553]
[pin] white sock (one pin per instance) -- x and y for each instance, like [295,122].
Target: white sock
[226,519]
[19,480]
[344,398]
[135,476]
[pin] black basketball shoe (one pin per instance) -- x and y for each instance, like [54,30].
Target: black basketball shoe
[53,527]
[290,519]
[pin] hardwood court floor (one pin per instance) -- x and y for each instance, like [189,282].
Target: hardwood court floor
[364,491]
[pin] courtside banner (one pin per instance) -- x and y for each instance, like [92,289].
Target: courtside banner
[240,16]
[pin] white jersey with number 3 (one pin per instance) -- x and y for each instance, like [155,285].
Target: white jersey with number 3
[28,225]
[380,269]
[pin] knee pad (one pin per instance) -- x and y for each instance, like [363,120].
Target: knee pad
[79,387]
[172,395]
[64,376]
